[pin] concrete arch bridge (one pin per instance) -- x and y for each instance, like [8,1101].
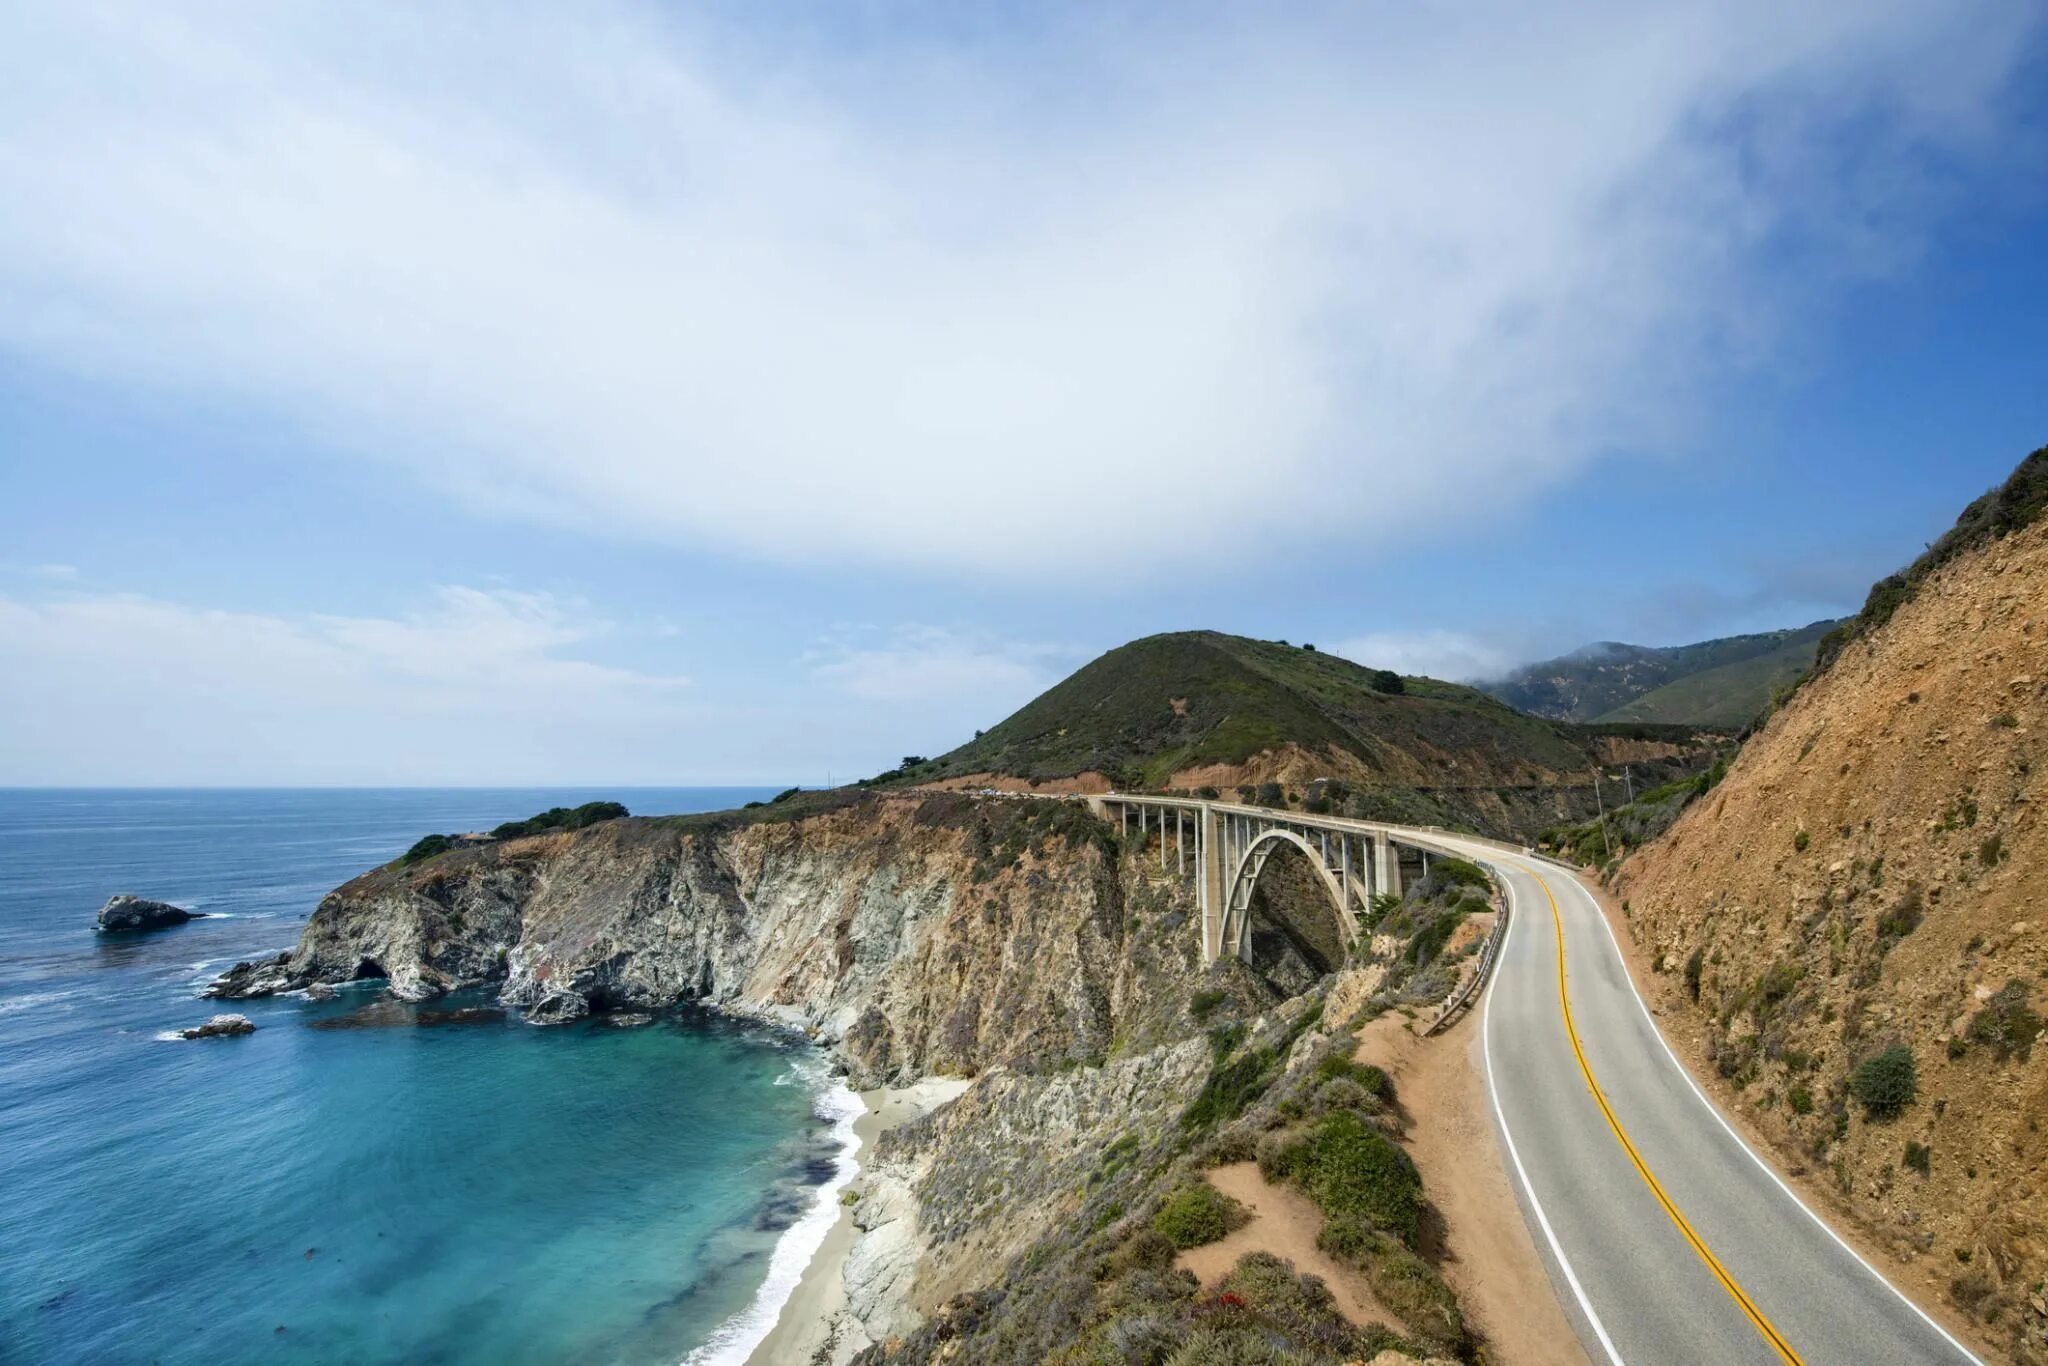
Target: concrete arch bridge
[1227,846]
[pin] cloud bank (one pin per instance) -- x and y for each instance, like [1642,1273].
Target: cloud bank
[1073,295]
[476,687]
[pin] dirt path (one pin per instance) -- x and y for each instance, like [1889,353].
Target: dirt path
[1486,1253]
[1284,1223]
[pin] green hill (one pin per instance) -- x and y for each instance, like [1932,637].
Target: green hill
[1285,724]
[1724,682]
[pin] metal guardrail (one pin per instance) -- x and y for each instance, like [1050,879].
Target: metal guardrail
[1463,996]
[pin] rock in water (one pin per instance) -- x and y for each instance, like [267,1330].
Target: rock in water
[128,912]
[220,1027]
[265,977]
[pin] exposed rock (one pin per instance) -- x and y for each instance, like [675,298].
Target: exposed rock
[903,929]
[265,977]
[320,991]
[220,1027]
[558,1007]
[127,912]
[626,1019]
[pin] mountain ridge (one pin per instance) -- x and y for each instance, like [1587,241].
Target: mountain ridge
[1726,681]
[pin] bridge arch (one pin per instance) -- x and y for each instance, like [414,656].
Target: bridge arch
[1243,881]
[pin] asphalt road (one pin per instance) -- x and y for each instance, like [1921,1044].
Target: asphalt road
[1674,1244]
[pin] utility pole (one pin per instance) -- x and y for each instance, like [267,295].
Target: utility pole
[1606,849]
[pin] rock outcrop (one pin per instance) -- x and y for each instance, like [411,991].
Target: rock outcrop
[126,913]
[920,933]
[220,1027]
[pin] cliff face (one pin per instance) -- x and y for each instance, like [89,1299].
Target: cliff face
[921,934]
[1871,874]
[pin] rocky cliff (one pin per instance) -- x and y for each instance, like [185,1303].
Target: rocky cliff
[1854,922]
[920,934]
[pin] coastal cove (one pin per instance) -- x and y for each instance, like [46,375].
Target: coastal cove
[365,1178]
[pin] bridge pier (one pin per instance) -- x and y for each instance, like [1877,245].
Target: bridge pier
[1225,847]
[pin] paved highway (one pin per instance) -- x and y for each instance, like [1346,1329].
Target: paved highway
[1674,1243]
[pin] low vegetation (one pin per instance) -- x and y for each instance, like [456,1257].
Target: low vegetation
[1198,1213]
[1885,1082]
[2013,506]
[554,818]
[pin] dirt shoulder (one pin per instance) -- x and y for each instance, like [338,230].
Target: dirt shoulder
[1483,1246]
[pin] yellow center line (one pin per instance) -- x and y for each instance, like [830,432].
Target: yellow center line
[1728,1283]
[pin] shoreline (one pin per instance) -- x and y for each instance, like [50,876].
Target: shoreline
[814,1312]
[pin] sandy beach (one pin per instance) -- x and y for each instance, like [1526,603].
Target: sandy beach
[811,1318]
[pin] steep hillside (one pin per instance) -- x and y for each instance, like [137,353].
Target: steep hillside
[1199,709]
[1725,682]
[1853,925]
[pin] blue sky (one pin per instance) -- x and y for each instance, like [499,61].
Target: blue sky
[658,395]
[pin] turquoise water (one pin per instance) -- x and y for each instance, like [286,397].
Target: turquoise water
[357,1181]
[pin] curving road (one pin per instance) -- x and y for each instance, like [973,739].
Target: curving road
[1672,1241]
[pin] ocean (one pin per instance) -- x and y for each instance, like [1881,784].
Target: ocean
[363,1181]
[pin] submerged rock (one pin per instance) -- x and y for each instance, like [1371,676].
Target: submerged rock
[220,1027]
[392,1014]
[626,1019]
[127,911]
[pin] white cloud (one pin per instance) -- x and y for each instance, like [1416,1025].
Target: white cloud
[917,664]
[910,300]
[1436,653]
[476,687]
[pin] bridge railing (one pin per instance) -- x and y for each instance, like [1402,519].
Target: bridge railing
[1469,988]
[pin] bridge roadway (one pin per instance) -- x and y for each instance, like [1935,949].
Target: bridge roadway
[1669,1240]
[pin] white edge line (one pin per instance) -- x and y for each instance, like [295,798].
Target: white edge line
[1528,1189]
[1762,1165]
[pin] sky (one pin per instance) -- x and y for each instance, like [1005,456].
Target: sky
[642,393]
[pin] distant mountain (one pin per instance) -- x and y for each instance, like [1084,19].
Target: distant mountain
[1723,682]
[1202,709]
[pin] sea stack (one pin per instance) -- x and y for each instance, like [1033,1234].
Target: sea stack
[221,1027]
[126,912]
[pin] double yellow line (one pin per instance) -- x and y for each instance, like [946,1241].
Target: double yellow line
[1735,1292]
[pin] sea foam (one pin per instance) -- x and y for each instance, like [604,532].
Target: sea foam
[735,1339]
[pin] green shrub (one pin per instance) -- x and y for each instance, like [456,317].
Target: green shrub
[1800,1099]
[1426,945]
[1460,872]
[1349,1167]
[2007,1022]
[426,849]
[1885,1082]
[1901,920]
[570,818]
[1196,1214]
[1695,964]
[1919,1157]
[1231,1088]
[1801,840]
[1371,1079]
[1991,850]
[1203,1003]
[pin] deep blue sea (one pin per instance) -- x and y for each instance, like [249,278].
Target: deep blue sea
[355,1182]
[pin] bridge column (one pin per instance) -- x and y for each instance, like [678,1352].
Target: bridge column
[1210,852]
[1386,867]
